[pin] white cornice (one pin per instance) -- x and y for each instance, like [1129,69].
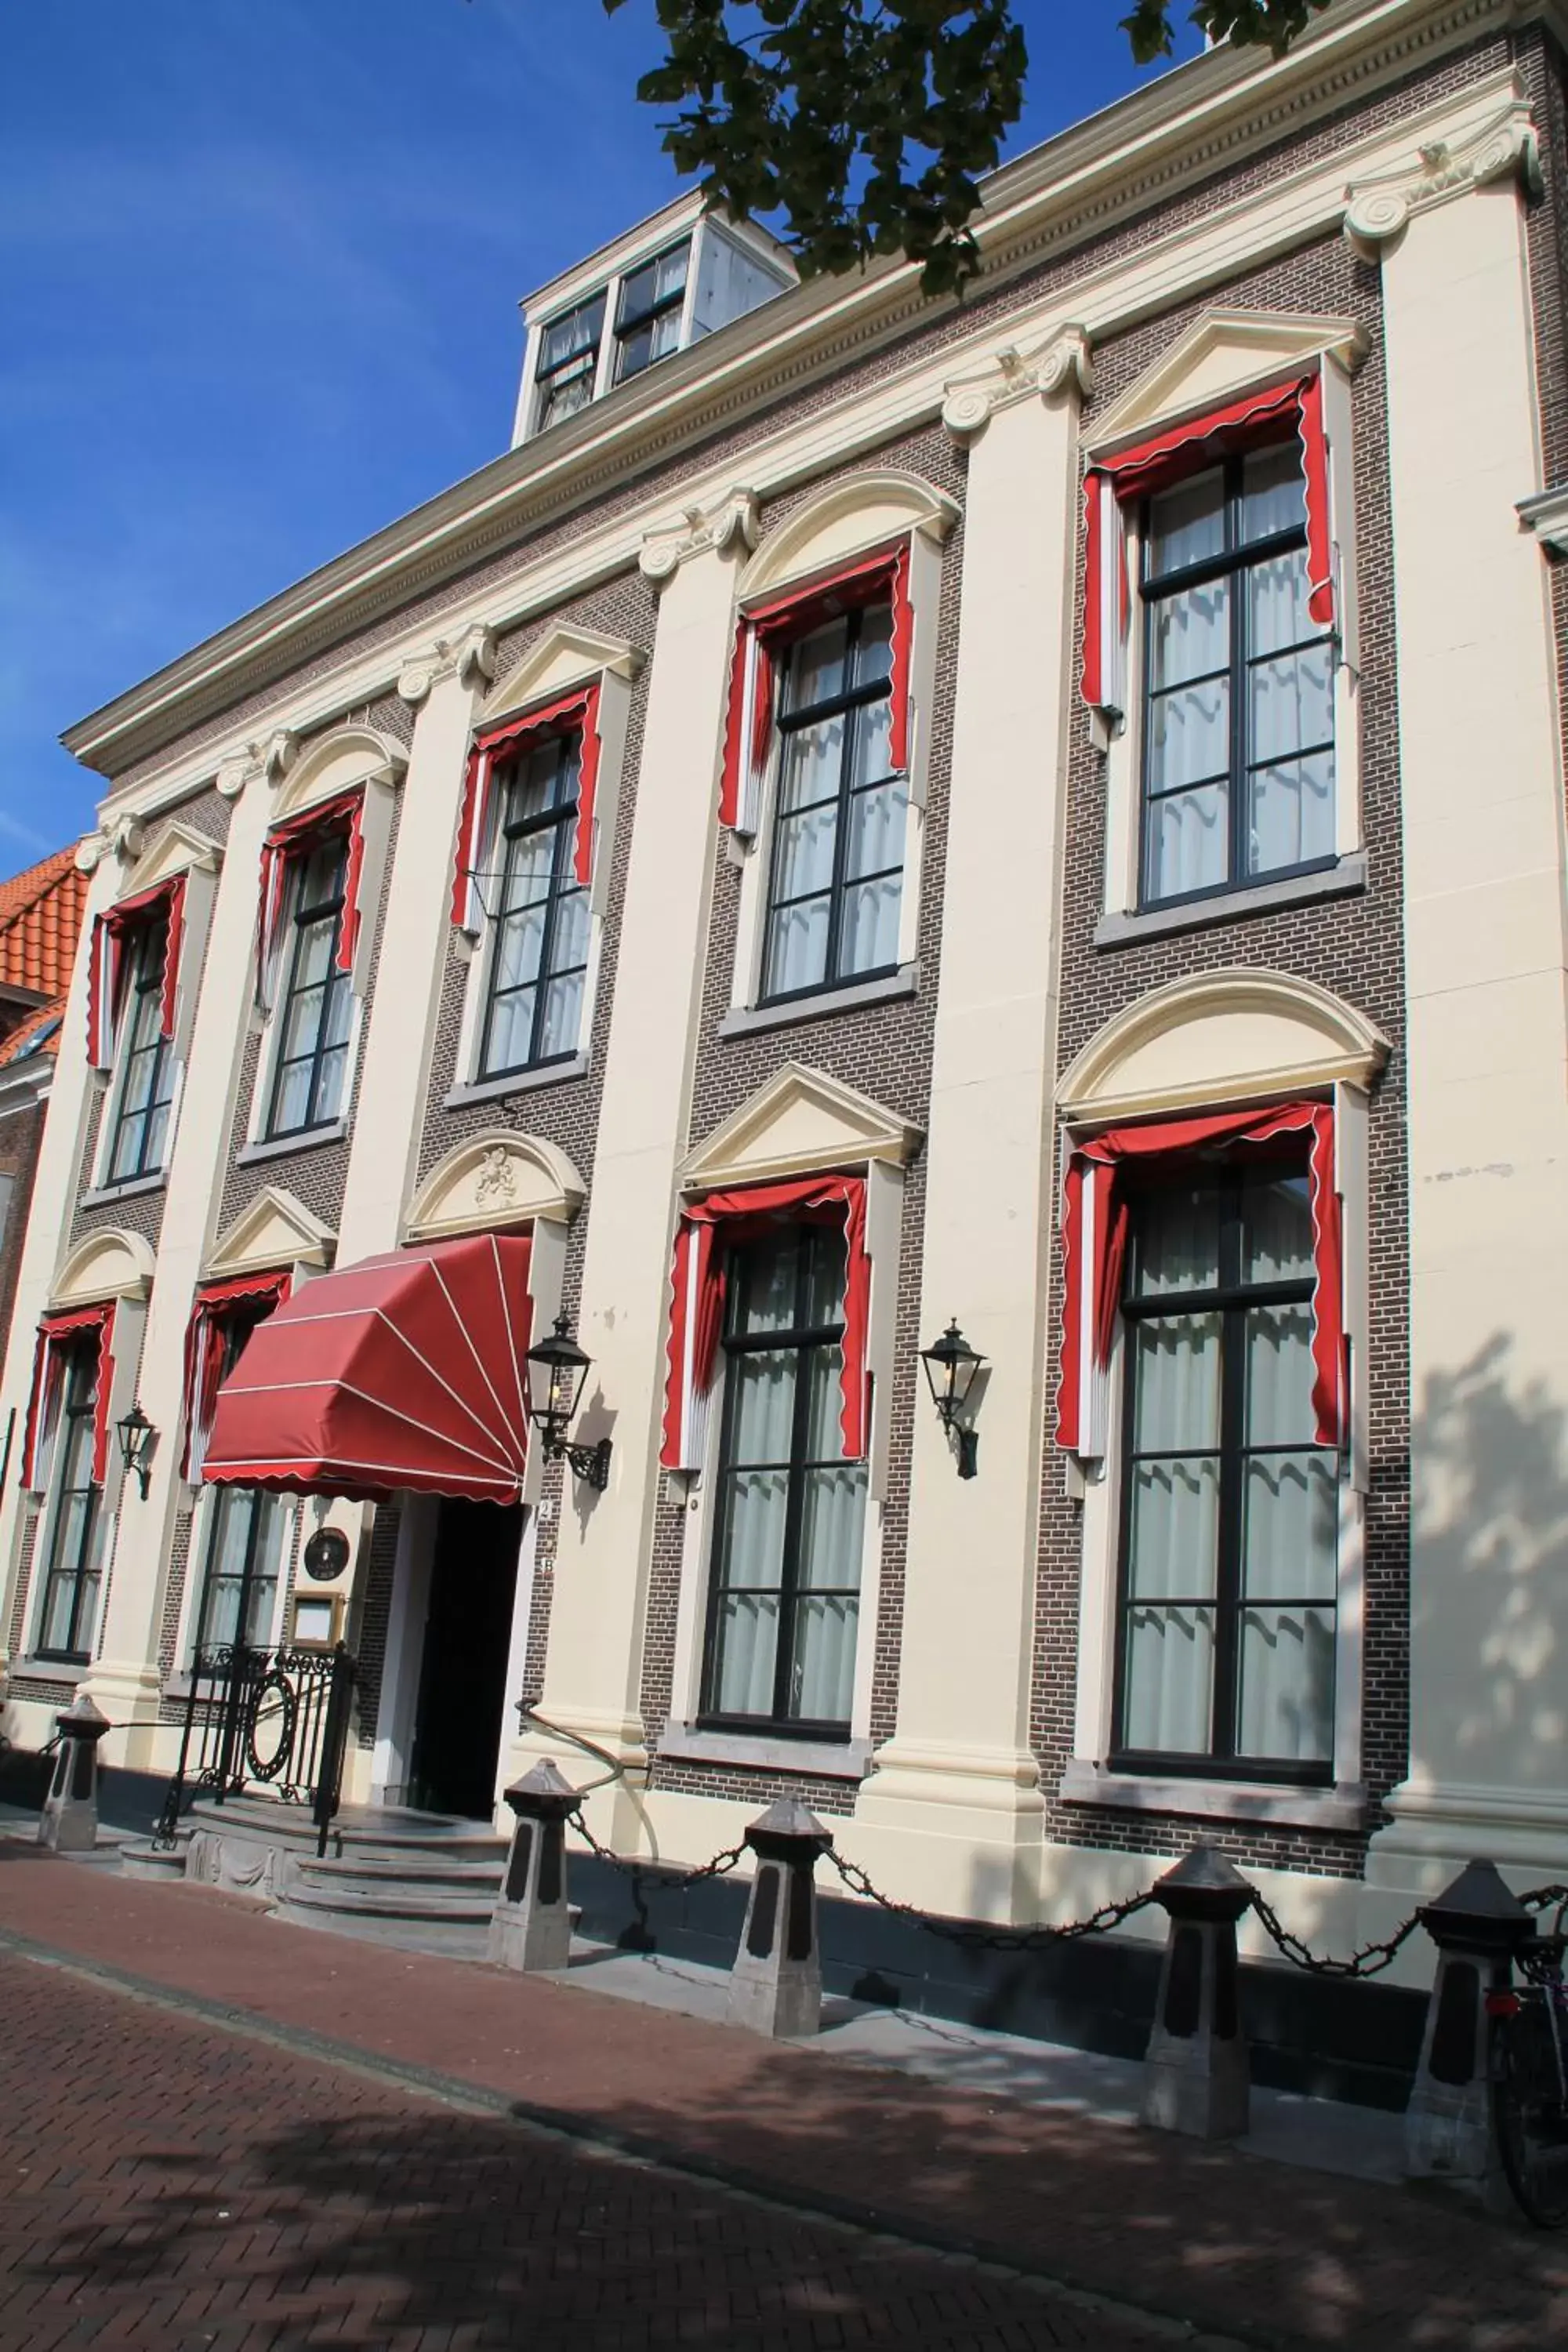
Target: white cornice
[1546,516]
[1192,124]
[729,523]
[1057,369]
[1503,149]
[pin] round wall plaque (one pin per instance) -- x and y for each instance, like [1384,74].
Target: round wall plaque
[327,1555]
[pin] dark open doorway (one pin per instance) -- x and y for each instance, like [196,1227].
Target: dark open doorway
[462,1677]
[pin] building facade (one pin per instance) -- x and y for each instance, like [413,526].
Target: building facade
[1043,814]
[40,924]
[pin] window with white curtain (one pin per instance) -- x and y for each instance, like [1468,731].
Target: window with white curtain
[1229,1576]
[1238,698]
[784,1599]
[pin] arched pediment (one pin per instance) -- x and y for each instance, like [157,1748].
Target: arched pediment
[274,1229]
[851,516]
[109,1264]
[1220,354]
[345,756]
[495,1178]
[799,1121]
[562,658]
[1216,1038]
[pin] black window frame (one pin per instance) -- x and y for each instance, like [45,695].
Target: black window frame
[241,1321]
[779,1724]
[1237,557]
[627,322]
[143,1003]
[77,1416]
[1231,1300]
[563,815]
[305,916]
[546,377]
[852,700]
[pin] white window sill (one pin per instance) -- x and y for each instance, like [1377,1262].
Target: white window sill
[104,1196]
[50,1670]
[1342,1807]
[847,1759]
[745,1019]
[1340,881]
[282,1146]
[518,1082]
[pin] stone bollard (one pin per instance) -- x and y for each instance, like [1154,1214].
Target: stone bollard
[530,1927]
[1477,1927]
[775,1985]
[1195,2072]
[69,1822]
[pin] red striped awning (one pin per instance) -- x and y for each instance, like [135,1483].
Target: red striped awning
[404,1371]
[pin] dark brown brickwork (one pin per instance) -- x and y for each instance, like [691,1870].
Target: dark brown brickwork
[1352,946]
[886,1051]
[174,1584]
[20,1597]
[745,1786]
[941,325]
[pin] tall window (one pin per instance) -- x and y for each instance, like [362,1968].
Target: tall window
[1238,758]
[71,1583]
[147,1075]
[540,960]
[785,1594]
[1230,1518]
[838,836]
[239,1590]
[647,316]
[317,999]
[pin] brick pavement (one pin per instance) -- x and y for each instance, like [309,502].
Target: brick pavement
[1262,2253]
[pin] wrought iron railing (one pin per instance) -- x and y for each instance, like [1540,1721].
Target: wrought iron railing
[276,1719]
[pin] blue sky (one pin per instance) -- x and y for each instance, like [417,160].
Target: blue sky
[259,267]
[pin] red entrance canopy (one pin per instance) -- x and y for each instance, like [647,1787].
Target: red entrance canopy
[401,1372]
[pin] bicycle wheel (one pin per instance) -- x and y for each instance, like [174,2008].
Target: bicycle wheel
[1528,2113]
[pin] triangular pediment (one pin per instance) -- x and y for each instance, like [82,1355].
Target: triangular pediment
[275,1229]
[1224,354]
[177,849]
[799,1121]
[563,658]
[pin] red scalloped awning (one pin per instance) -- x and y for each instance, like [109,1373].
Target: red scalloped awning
[404,1371]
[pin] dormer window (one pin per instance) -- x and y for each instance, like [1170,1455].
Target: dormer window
[656,293]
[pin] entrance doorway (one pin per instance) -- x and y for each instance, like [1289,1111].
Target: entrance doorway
[458,1720]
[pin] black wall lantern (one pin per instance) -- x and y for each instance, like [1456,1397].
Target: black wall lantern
[951,1366]
[138,1443]
[557,1369]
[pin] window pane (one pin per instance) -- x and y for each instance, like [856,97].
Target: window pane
[1290,1508]
[765,1279]
[511,1031]
[824,1400]
[1189,834]
[330,1086]
[1277,603]
[1176,1365]
[746,1651]
[1279,1375]
[659,280]
[1169,1689]
[569,337]
[832,1512]
[870,941]
[817,666]
[1291,814]
[55,1632]
[530,863]
[518,948]
[1189,735]
[567,393]
[824,1285]
[822,1672]
[1187,525]
[872,756]
[803,859]
[1291,703]
[1273,491]
[127,1160]
[293,1097]
[797,950]
[812,761]
[157,1129]
[338,1009]
[874,657]
[321,874]
[1175,1534]
[302,1024]
[1286,1702]
[1277,1230]
[562,1015]
[765,1405]
[1190,634]
[1176,1243]
[654,340]
[571,942]
[877,830]
[754,1535]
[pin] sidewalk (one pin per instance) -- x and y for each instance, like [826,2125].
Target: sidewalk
[1263,2253]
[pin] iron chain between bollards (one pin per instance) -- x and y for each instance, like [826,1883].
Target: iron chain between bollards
[989,1939]
[639,1864]
[1369,1961]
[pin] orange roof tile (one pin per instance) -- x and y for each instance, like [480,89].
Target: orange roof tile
[40,922]
[38,1033]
